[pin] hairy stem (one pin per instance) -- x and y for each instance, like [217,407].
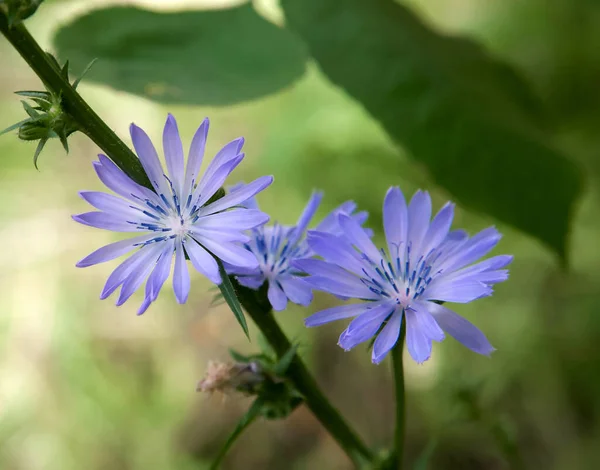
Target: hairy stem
[93,126]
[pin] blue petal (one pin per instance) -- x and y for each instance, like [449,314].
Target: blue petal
[387,338]
[181,276]
[203,262]
[473,249]
[296,290]
[223,157]
[460,291]
[330,223]
[251,282]
[249,203]
[357,236]
[348,286]
[141,271]
[112,251]
[337,313]
[237,197]
[173,151]
[222,233]
[105,221]
[229,252]
[419,214]
[160,273]
[145,304]
[417,343]
[118,182]
[335,250]
[460,329]
[276,296]
[426,322]
[209,186]
[118,276]
[149,159]
[439,228]
[490,264]
[309,212]
[236,219]
[195,156]
[318,267]
[115,205]
[365,326]
[395,220]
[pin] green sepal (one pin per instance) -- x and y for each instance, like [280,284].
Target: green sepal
[35,94]
[15,126]
[38,150]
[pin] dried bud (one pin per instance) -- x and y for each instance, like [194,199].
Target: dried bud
[228,377]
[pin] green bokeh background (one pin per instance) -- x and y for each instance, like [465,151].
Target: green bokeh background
[87,385]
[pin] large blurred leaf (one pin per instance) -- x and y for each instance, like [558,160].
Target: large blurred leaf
[199,57]
[470,119]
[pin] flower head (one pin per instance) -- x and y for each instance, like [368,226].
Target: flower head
[425,263]
[178,218]
[277,246]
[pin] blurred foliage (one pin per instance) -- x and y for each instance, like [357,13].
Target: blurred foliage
[471,120]
[87,385]
[192,57]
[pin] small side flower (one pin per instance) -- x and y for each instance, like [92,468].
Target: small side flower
[180,220]
[276,247]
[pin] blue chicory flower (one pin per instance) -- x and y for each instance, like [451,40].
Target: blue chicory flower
[277,246]
[175,219]
[425,263]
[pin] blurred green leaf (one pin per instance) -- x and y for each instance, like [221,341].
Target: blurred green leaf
[212,57]
[469,118]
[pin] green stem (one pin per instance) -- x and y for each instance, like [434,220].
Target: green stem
[398,369]
[73,104]
[318,403]
[108,141]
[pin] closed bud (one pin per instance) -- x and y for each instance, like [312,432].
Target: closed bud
[36,130]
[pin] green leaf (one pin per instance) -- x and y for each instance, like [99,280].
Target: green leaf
[230,297]
[253,412]
[210,57]
[470,119]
